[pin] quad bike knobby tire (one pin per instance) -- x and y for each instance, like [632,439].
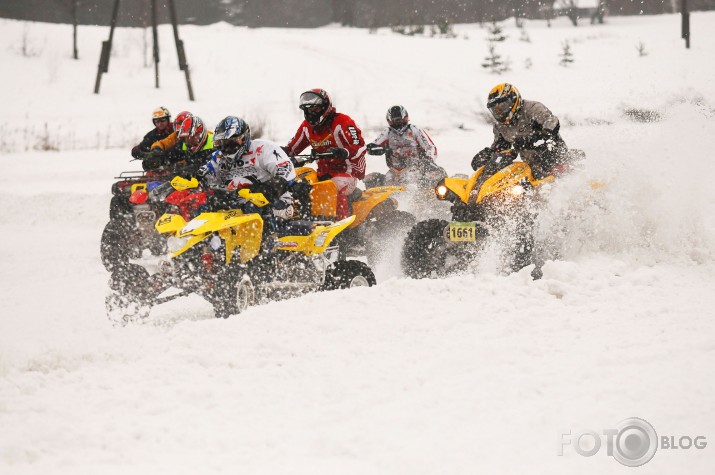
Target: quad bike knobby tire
[118,244]
[348,274]
[234,296]
[424,251]
[129,297]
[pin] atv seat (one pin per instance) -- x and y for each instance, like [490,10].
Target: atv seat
[296,227]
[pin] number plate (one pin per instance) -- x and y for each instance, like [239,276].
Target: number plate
[464,232]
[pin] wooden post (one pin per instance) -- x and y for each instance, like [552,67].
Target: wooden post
[103,66]
[686,24]
[155,33]
[107,46]
[75,54]
[183,65]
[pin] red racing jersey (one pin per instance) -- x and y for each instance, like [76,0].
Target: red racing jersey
[339,131]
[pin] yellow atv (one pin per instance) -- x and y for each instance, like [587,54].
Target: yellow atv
[488,201]
[375,211]
[234,259]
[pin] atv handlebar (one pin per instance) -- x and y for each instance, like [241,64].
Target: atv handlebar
[378,150]
[312,157]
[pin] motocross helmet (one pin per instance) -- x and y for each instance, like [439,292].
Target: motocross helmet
[193,133]
[161,115]
[397,118]
[504,102]
[232,137]
[180,118]
[316,106]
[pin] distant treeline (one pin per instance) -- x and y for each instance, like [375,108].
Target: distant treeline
[312,13]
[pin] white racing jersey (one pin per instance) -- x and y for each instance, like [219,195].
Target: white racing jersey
[411,144]
[262,161]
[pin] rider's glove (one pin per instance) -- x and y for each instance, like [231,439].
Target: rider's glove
[340,153]
[283,209]
[202,171]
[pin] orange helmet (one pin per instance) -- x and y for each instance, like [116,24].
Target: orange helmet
[160,113]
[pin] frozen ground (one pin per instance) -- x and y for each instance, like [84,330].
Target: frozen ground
[477,373]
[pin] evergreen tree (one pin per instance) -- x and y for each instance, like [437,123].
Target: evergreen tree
[496,33]
[494,62]
[566,54]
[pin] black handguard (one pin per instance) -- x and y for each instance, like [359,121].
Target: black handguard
[189,171]
[153,159]
[271,189]
[339,153]
[375,149]
[220,198]
[315,155]
[481,158]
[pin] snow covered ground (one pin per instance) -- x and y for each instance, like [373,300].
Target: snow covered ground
[476,373]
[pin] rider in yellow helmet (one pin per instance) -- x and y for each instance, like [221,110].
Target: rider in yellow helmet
[524,128]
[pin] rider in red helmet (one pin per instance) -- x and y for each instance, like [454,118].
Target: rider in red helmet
[326,130]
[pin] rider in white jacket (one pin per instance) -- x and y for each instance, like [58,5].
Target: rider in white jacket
[407,147]
[260,165]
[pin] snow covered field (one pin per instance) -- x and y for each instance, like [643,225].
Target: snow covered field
[477,373]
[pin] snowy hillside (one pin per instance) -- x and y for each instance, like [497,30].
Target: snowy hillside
[476,373]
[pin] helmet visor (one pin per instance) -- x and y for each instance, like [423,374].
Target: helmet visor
[231,146]
[310,99]
[501,107]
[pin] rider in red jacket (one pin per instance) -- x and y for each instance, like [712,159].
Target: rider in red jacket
[326,130]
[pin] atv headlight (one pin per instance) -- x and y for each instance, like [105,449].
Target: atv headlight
[441,192]
[517,190]
[174,244]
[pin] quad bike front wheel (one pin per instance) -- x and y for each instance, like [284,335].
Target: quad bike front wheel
[129,297]
[424,251]
[349,274]
[235,297]
[118,244]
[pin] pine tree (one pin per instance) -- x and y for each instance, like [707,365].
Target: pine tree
[494,62]
[495,33]
[566,55]
[641,49]
[524,34]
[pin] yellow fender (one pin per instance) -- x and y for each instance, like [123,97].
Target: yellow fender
[239,231]
[370,199]
[462,186]
[324,199]
[504,179]
[317,241]
[169,223]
